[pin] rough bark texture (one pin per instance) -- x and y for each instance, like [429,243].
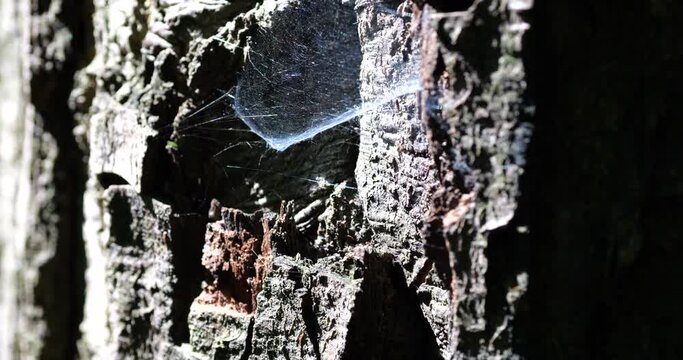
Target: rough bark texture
[43,175]
[477,121]
[524,204]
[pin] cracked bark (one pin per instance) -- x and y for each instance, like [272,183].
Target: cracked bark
[523,205]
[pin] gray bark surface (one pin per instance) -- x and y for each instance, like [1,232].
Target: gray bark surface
[522,205]
[42,180]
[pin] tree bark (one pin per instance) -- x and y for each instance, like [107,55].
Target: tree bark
[521,205]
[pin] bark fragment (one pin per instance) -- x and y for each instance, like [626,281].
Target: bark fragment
[236,255]
[475,112]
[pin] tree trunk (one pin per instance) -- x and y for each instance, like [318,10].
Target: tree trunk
[521,204]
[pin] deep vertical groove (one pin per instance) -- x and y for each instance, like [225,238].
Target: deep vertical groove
[250,334]
[312,326]
[60,291]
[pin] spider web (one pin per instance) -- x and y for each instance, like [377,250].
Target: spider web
[301,75]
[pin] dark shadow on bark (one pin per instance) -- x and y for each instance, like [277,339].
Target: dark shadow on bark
[450,5]
[508,256]
[387,322]
[604,182]
[60,291]
[187,233]
[312,326]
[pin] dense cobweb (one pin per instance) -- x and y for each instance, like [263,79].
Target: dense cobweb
[301,75]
